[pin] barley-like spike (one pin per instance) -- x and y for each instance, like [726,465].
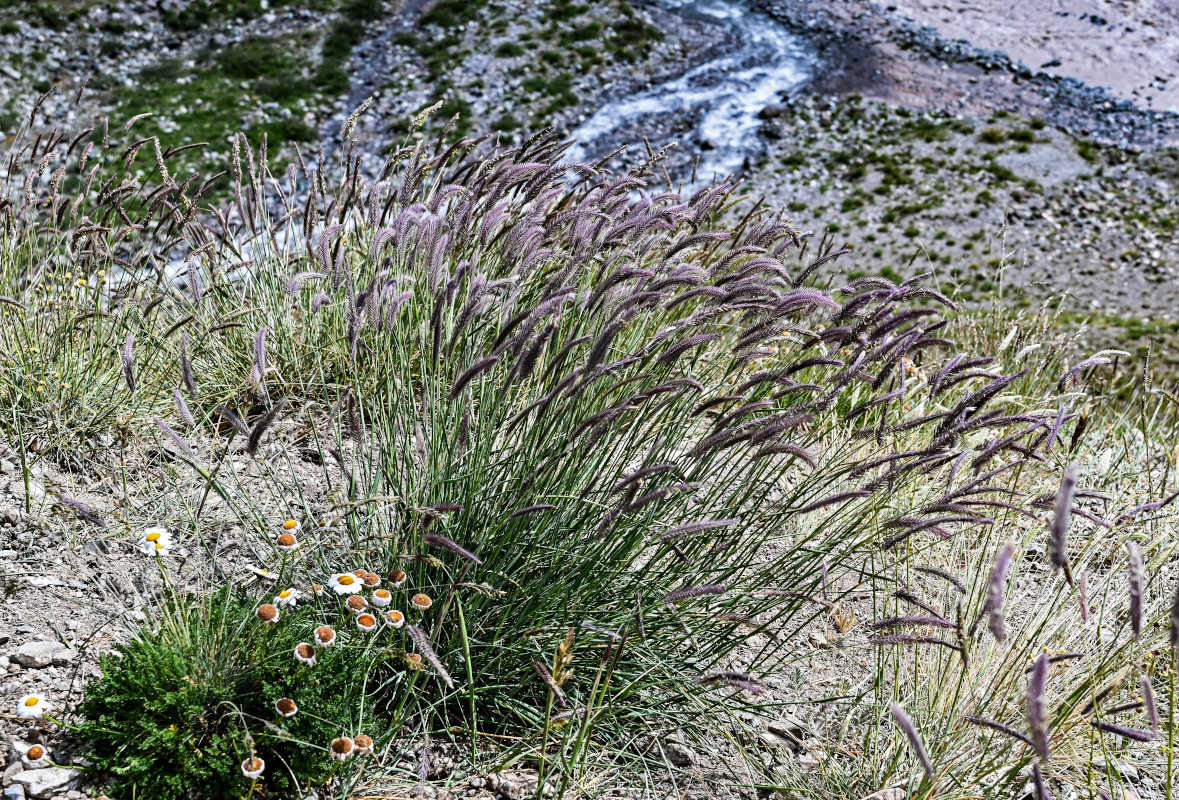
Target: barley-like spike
[695,591]
[543,672]
[260,352]
[1175,621]
[696,527]
[953,580]
[262,425]
[182,409]
[1135,734]
[1041,786]
[186,369]
[737,680]
[471,373]
[175,437]
[521,512]
[422,641]
[1134,573]
[1058,532]
[435,540]
[998,726]
[1035,707]
[129,363]
[1152,710]
[910,730]
[995,594]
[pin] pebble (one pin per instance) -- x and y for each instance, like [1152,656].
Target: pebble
[37,655]
[43,783]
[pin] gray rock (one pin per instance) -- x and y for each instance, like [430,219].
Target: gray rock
[42,783]
[12,771]
[14,792]
[37,655]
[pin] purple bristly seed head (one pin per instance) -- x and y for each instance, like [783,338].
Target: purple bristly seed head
[182,409]
[737,680]
[260,351]
[128,362]
[174,436]
[435,540]
[1058,538]
[1134,573]
[1083,596]
[1042,791]
[996,622]
[910,730]
[997,726]
[1035,706]
[422,641]
[696,527]
[186,369]
[1152,709]
[694,591]
[1175,620]
[1135,734]
[543,672]
[896,622]
[319,301]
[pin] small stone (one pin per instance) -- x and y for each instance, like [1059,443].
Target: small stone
[42,783]
[14,792]
[817,638]
[37,655]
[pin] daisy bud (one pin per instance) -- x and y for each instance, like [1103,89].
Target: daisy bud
[364,744]
[356,604]
[421,601]
[397,578]
[287,542]
[252,767]
[305,653]
[341,748]
[286,707]
[268,613]
[381,598]
[366,622]
[325,636]
[394,617]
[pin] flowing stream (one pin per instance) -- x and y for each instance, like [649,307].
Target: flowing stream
[721,97]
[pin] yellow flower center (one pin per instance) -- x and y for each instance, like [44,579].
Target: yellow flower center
[32,701]
[289,525]
[381,593]
[285,593]
[347,580]
[154,536]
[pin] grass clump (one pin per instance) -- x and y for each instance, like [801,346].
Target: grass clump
[627,451]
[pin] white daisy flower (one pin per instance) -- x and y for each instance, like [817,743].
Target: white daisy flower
[286,707]
[397,578]
[345,583]
[287,542]
[252,767]
[287,597]
[381,598]
[291,526]
[364,744]
[32,706]
[305,653]
[366,622]
[394,617]
[155,541]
